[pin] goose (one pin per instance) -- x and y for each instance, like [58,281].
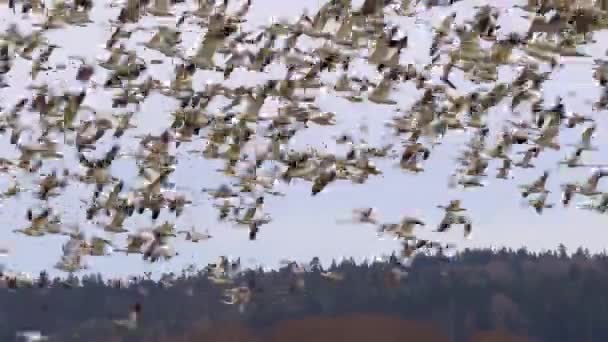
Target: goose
[13,189]
[85,71]
[221,266]
[214,38]
[343,35]
[505,170]
[129,69]
[194,236]
[204,9]
[240,296]
[574,119]
[325,177]
[453,206]
[364,215]
[415,149]
[159,247]
[223,191]
[98,247]
[568,191]
[255,224]
[50,183]
[71,261]
[136,242]
[46,149]
[411,157]
[537,186]
[35,6]
[526,161]
[239,57]
[251,212]
[600,205]
[160,8]
[388,49]
[333,276]
[370,8]
[116,224]
[39,221]
[130,13]
[465,181]
[164,41]
[113,60]
[343,84]
[381,93]
[540,203]
[177,204]
[31,336]
[589,188]
[547,138]
[574,160]
[33,41]
[587,135]
[451,218]
[240,14]
[112,199]
[550,27]
[224,270]
[314,27]
[31,232]
[485,21]
[404,229]
[131,322]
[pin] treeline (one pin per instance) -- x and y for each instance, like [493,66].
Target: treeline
[549,296]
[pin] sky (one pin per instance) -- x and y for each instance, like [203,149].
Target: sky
[303,226]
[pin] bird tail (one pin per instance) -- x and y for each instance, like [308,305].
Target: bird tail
[587,206]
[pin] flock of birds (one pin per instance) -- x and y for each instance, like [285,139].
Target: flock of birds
[254,145]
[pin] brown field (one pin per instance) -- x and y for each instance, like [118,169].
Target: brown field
[352,328]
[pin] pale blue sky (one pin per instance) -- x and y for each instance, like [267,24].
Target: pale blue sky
[304,227]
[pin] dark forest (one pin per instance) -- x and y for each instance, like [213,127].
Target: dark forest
[477,295]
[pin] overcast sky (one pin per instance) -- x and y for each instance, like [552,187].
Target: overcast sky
[303,226]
